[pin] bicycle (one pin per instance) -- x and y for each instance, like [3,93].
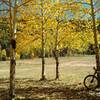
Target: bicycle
[91,81]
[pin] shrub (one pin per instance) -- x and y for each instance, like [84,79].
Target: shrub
[3,55]
[25,56]
[17,56]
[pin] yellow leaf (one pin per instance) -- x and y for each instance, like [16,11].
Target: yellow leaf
[88,1]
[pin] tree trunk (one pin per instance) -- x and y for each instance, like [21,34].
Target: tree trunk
[56,52]
[3,9]
[43,44]
[12,51]
[0,51]
[43,58]
[95,40]
[57,65]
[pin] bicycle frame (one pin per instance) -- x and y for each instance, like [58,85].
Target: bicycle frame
[95,71]
[92,79]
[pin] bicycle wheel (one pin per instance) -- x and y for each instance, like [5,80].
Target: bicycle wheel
[91,82]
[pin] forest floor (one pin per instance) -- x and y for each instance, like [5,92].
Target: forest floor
[70,86]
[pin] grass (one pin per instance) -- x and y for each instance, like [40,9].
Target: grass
[71,68]
[69,87]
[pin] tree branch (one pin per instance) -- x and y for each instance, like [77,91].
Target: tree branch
[7,3]
[4,9]
[24,3]
[80,3]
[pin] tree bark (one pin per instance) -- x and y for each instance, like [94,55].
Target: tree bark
[56,51]
[43,57]
[95,40]
[43,43]
[12,51]
[57,65]
[0,51]
[3,9]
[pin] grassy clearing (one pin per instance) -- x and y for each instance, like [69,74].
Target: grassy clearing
[72,69]
[69,87]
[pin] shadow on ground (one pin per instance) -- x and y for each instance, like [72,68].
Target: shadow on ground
[48,90]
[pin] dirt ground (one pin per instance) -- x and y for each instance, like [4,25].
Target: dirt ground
[69,87]
[48,90]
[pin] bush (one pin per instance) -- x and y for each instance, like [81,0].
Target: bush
[3,52]
[25,56]
[3,55]
[3,58]
[17,56]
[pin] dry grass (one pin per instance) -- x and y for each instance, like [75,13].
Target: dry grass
[70,68]
[69,87]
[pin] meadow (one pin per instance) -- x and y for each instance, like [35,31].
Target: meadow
[70,69]
[70,86]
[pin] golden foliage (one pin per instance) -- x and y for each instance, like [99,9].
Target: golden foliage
[71,34]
